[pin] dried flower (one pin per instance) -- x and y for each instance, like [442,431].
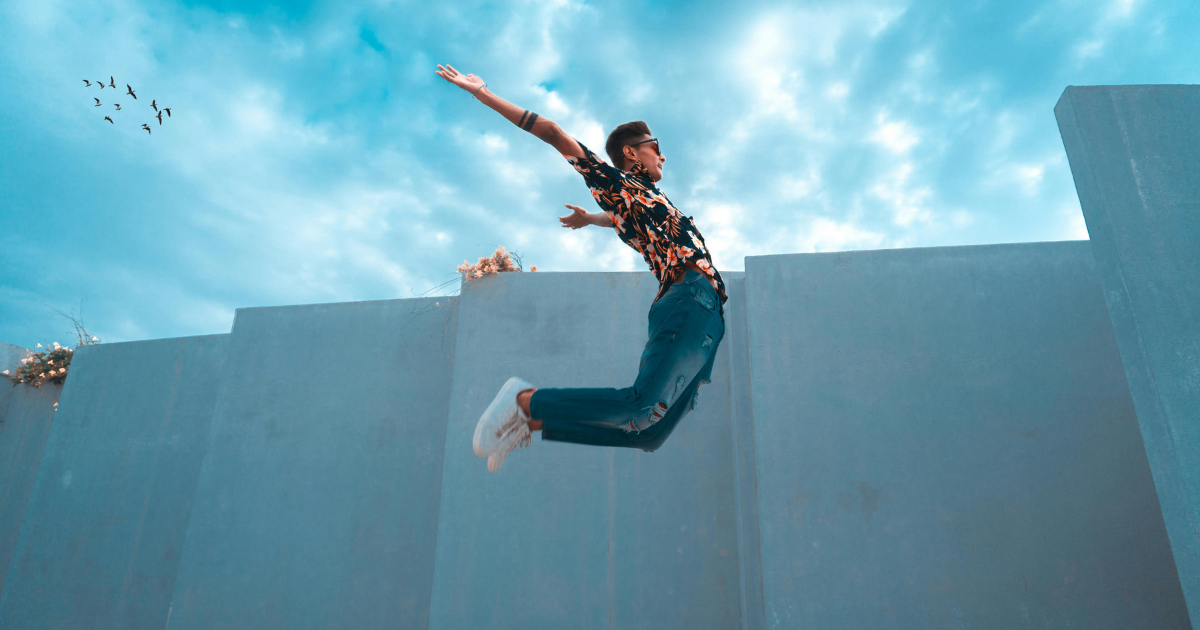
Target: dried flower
[500,261]
[95,339]
[38,346]
[6,372]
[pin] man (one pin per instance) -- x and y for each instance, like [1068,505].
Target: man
[687,320]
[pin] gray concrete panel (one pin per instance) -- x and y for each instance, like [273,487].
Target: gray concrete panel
[10,356]
[317,504]
[571,536]
[1135,156]
[101,540]
[10,359]
[26,416]
[945,439]
[742,421]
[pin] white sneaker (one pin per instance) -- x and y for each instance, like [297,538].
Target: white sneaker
[519,436]
[500,417]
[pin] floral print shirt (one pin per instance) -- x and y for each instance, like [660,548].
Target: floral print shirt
[647,221]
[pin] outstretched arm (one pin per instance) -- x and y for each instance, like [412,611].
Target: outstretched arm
[545,129]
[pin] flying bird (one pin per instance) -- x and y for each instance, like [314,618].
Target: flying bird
[118,106]
[168,110]
[101,84]
[89,83]
[130,92]
[146,127]
[97,101]
[111,83]
[154,104]
[159,117]
[109,120]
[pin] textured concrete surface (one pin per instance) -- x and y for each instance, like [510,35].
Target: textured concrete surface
[317,505]
[741,420]
[571,536]
[924,438]
[26,416]
[1135,155]
[105,524]
[10,356]
[945,440]
[10,359]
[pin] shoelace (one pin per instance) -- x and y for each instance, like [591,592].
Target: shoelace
[524,440]
[516,420]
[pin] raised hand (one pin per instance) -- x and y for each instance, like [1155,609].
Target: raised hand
[577,219]
[467,82]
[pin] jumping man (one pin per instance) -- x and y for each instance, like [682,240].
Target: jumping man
[687,318]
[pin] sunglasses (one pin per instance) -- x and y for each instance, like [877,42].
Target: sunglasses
[655,147]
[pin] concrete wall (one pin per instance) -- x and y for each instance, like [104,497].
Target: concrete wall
[317,505]
[10,356]
[571,536]
[923,438]
[1135,156]
[10,359]
[745,459]
[945,440]
[26,416]
[101,540]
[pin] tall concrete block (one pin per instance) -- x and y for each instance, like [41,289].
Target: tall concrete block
[26,417]
[317,505]
[1135,155]
[945,439]
[741,411]
[10,359]
[571,536]
[102,536]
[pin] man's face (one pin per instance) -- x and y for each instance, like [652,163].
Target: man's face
[649,154]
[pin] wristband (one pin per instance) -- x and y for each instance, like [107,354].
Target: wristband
[527,120]
[478,88]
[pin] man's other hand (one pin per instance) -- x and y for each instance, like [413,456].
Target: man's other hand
[577,219]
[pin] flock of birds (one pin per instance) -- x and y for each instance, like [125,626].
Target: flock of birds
[129,91]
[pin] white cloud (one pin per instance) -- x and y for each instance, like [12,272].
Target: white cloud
[828,235]
[1074,226]
[837,90]
[1122,9]
[1030,178]
[908,203]
[896,136]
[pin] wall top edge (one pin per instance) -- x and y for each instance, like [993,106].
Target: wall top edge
[163,339]
[946,248]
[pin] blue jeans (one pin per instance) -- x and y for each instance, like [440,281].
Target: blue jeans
[686,326]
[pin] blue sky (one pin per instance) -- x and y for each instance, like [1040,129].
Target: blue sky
[314,156]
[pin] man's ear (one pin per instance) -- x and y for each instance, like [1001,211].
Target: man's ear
[629,154]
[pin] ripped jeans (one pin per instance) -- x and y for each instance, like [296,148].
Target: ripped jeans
[686,326]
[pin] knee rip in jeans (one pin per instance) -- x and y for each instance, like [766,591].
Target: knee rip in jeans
[696,395]
[651,414]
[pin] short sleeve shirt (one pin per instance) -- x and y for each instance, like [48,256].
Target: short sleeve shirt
[647,221]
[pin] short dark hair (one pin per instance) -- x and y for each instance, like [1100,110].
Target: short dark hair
[621,137]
